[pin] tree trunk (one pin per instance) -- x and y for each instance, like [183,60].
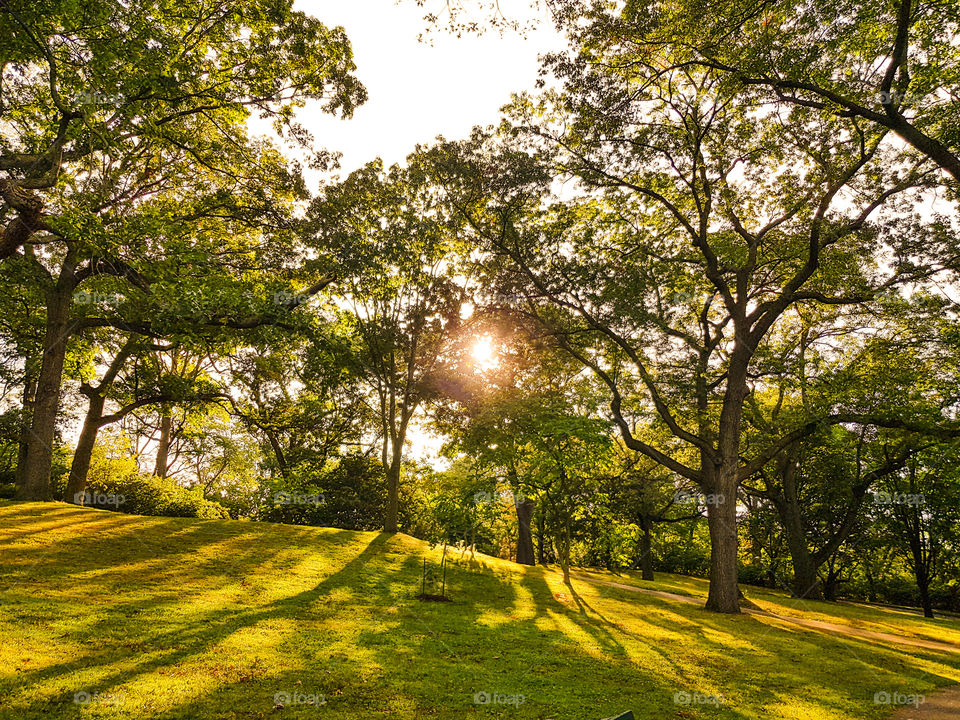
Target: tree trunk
[392,519]
[80,466]
[806,582]
[163,446]
[541,554]
[721,479]
[722,522]
[278,453]
[563,551]
[26,416]
[924,585]
[39,456]
[832,583]
[525,552]
[646,553]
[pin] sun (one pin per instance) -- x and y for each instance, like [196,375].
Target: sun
[484,353]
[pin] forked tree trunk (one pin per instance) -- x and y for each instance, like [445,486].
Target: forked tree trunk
[806,582]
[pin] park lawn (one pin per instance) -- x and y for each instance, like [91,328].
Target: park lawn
[876,618]
[179,618]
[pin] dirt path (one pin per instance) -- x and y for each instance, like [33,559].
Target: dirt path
[831,628]
[942,705]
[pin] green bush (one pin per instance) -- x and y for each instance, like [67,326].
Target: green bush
[151,495]
[147,495]
[681,559]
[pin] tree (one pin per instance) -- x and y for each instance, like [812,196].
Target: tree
[921,506]
[298,399]
[646,494]
[883,368]
[703,219]
[129,121]
[401,298]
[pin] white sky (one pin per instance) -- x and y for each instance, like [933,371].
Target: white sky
[418,91]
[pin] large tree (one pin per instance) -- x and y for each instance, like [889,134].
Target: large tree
[704,216]
[129,167]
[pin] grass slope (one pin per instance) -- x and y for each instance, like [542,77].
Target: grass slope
[139,617]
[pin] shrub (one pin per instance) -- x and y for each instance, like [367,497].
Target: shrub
[151,495]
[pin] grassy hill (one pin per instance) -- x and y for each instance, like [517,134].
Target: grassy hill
[120,616]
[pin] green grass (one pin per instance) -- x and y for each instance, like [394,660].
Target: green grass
[177,618]
[897,621]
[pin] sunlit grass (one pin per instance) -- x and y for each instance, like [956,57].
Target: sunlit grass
[177,618]
[879,619]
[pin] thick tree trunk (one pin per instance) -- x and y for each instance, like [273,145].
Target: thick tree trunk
[525,551]
[722,522]
[721,479]
[646,552]
[163,445]
[39,456]
[80,466]
[806,582]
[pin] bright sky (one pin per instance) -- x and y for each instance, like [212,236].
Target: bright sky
[418,91]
